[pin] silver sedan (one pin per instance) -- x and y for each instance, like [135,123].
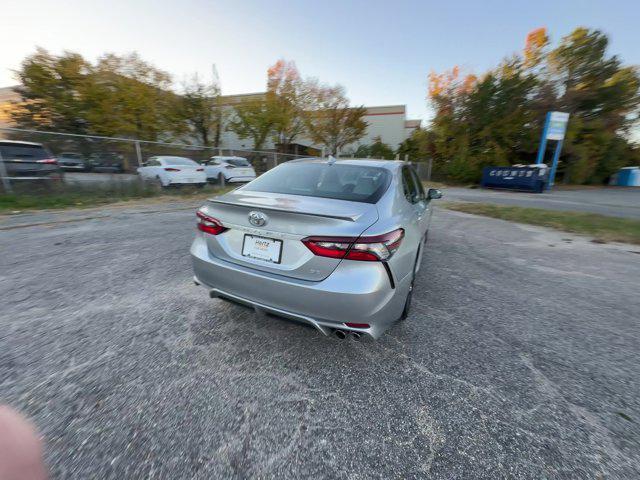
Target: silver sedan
[333,243]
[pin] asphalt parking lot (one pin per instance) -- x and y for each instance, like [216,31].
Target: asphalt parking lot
[613,201]
[519,360]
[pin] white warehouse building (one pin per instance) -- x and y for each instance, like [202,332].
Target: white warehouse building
[388,122]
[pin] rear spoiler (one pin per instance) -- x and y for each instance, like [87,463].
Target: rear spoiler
[351,218]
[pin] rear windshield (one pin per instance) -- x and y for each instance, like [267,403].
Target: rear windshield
[23,152]
[178,161]
[354,183]
[238,162]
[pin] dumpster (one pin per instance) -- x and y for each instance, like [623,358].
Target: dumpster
[531,178]
[628,177]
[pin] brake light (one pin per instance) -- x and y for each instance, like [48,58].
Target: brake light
[169,169]
[199,169]
[48,161]
[368,249]
[210,225]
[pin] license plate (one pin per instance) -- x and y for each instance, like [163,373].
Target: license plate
[261,248]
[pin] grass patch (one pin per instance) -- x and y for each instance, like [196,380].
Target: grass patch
[82,196]
[601,227]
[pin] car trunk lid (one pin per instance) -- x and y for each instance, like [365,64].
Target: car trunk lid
[288,219]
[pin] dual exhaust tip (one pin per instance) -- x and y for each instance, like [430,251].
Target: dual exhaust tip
[342,334]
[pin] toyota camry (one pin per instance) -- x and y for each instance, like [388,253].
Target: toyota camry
[332,243]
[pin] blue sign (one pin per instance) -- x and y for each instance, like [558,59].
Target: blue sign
[555,126]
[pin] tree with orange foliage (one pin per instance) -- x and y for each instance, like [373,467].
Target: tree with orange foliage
[537,40]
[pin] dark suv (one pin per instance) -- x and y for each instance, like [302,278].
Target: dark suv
[106,162]
[27,161]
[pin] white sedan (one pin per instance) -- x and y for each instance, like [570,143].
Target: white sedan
[233,169]
[169,171]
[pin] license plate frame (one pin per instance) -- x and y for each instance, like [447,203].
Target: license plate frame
[270,258]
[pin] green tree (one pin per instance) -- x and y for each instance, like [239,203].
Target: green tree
[202,110]
[601,95]
[53,91]
[331,121]
[377,149]
[132,98]
[118,96]
[254,118]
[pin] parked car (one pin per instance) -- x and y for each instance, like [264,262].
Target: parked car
[335,244]
[28,162]
[233,169]
[106,163]
[169,171]
[71,161]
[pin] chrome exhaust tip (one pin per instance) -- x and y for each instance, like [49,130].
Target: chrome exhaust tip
[341,334]
[355,335]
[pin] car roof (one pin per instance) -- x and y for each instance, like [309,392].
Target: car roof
[20,142]
[368,162]
[222,157]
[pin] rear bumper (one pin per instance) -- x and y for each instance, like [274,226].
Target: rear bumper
[358,292]
[185,181]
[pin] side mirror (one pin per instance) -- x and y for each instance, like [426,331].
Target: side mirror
[434,194]
[144,164]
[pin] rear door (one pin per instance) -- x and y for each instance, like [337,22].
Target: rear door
[282,222]
[414,229]
[424,205]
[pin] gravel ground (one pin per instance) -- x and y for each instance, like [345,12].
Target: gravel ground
[617,202]
[519,360]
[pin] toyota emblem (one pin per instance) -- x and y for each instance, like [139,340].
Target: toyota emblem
[257,219]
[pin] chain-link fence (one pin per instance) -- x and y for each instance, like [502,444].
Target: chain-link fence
[88,159]
[122,155]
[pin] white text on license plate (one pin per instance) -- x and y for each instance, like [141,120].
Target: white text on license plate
[262,248]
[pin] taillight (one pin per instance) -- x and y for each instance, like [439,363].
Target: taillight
[209,225]
[199,169]
[169,169]
[368,249]
[48,161]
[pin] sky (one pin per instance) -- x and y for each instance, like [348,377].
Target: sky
[380,51]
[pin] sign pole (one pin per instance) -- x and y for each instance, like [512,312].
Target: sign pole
[554,165]
[543,140]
